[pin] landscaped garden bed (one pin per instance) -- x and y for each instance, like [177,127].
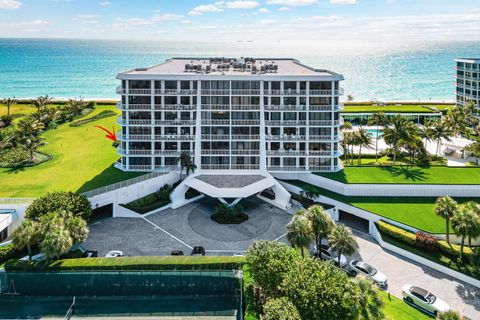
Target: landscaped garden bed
[152,201]
[354,107]
[224,214]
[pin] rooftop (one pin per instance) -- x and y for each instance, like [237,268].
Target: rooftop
[232,66]
[469,60]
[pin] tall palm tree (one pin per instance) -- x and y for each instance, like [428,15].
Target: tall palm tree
[321,222]
[185,161]
[460,223]
[380,120]
[474,150]
[341,240]
[425,132]
[5,139]
[446,207]
[299,232]
[26,235]
[363,140]
[9,102]
[77,227]
[31,144]
[30,127]
[440,131]
[369,305]
[346,128]
[473,209]
[42,102]
[191,167]
[75,106]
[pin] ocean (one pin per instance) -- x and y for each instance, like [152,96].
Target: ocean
[87,68]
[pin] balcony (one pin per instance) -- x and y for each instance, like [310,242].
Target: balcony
[215,152]
[139,91]
[215,122]
[245,107]
[215,166]
[221,92]
[245,152]
[124,152]
[324,137]
[134,122]
[120,90]
[285,107]
[215,137]
[285,123]
[175,92]
[250,92]
[176,122]
[286,168]
[285,137]
[139,107]
[215,107]
[183,107]
[245,167]
[245,137]
[287,92]
[246,122]
[167,168]
[286,153]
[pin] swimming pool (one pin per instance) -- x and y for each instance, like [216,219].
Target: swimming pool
[375,133]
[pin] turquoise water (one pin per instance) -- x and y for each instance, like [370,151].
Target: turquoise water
[375,133]
[68,68]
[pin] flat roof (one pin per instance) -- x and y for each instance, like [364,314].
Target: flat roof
[230,181]
[231,67]
[469,60]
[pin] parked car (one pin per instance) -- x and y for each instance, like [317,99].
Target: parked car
[90,254]
[424,299]
[327,254]
[176,253]
[114,254]
[363,268]
[198,251]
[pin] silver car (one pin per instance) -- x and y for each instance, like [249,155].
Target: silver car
[327,254]
[114,254]
[424,299]
[363,268]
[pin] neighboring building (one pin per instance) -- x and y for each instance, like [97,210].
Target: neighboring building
[269,115]
[468,81]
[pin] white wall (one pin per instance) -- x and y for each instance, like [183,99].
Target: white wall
[385,190]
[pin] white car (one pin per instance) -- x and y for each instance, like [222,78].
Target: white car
[424,299]
[114,254]
[327,254]
[363,268]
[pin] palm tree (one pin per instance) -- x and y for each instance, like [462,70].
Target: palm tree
[363,139]
[460,223]
[75,106]
[30,127]
[474,150]
[56,242]
[341,240]
[473,210]
[31,144]
[368,303]
[42,102]
[299,232]
[9,102]
[185,160]
[347,128]
[26,235]
[446,207]
[393,135]
[77,227]
[191,167]
[380,120]
[5,139]
[321,222]
[440,131]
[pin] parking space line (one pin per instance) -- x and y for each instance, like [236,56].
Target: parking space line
[168,233]
[283,235]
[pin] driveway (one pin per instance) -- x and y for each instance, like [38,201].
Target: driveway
[400,271]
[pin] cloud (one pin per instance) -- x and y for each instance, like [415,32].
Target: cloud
[268,21]
[242,4]
[205,8]
[263,10]
[344,2]
[166,17]
[186,21]
[104,3]
[10,4]
[284,9]
[292,3]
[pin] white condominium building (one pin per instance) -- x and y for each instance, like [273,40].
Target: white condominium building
[269,115]
[468,81]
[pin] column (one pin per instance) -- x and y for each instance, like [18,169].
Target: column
[198,128]
[263,151]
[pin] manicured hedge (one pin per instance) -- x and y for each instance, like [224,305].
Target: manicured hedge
[7,252]
[397,233]
[132,263]
[101,115]
[453,249]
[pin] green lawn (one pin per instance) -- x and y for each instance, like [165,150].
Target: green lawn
[404,108]
[396,309]
[406,175]
[82,160]
[416,212]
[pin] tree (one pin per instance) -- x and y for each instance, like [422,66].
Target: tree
[75,106]
[474,150]
[56,242]
[363,139]
[341,241]
[393,135]
[347,128]
[321,222]
[42,102]
[9,102]
[446,207]
[31,144]
[369,305]
[349,98]
[26,236]
[449,315]
[77,204]
[186,162]
[191,167]
[319,290]
[268,262]
[299,233]
[473,210]
[30,127]
[380,120]
[77,228]
[280,309]
[460,223]
[440,131]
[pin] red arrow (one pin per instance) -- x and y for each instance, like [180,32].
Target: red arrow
[110,135]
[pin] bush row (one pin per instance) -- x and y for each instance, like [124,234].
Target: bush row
[7,252]
[132,263]
[422,240]
[101,115]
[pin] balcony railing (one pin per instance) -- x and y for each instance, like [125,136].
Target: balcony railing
[245,166]
[286,168]
[216,91]
[286,153]
[246,122]
[215,166]
[176,122]
[252,92]
[139,107]
[245,152]
[245,137]
[286,107]
[215,137]
[134,122]
[175,107]
[285,122]
[215,122]
[215,152]
[167,168]
[245,107]
[285,137]
[215,107]
[139,91]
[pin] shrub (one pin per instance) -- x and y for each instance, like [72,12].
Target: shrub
[280,309]
[453,249]
[426,241]
[191,193]
[101,115]
[6,119]
[224,214]
[67,201]
[397,233]
[14,157]
[7,252]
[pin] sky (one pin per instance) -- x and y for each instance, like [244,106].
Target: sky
[347,21]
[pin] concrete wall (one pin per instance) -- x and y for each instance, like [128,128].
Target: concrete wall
[385,190]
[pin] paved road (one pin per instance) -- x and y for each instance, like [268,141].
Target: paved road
[399,271]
